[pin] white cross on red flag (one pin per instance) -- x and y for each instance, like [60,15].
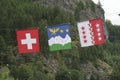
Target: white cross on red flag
[91,32]
[28,40]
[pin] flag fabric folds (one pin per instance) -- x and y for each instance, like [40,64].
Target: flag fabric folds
[91,32]
[28,40]
[59,37]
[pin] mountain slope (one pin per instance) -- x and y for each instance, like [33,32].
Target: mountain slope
[74,64]
[82,9]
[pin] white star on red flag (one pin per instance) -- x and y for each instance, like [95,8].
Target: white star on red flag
[92,33]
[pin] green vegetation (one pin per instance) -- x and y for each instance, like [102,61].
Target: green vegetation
[59,46]
[98,62]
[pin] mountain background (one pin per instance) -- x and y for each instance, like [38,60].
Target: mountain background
[92,63]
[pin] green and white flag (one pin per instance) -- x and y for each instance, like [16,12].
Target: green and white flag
[59,37]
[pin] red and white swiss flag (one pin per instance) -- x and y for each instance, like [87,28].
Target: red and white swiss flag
[91,32]
[28,40]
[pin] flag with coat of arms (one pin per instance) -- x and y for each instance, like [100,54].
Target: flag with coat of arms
[59,37]
[91,32]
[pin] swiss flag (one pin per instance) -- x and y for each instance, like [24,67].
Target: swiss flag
[91,32]
[28,40]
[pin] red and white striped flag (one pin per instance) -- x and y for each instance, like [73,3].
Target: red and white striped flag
[91,32]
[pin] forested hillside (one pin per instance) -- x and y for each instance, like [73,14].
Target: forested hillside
[91,63]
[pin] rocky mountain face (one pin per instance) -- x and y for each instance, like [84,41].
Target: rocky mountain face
[69,5]
[91,63]
[85,9]
[66,4]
